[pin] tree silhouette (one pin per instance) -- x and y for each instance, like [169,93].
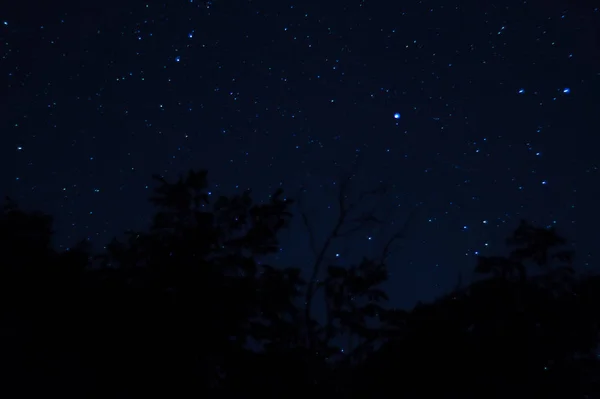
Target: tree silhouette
[352,297]
[199,264]
[504,336]
[192,307]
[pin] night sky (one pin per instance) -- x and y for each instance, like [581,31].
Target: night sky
[476,114]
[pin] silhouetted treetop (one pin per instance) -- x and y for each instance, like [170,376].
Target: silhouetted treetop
[194,306]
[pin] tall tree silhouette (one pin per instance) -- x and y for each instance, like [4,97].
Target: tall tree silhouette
[192,307]
[200,265]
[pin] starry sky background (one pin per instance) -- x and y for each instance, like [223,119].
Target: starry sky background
[475,113]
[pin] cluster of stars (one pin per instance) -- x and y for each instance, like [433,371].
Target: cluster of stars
[298,93]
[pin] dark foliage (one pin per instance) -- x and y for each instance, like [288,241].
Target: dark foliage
[191,307]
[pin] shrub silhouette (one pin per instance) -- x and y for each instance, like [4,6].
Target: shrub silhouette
[192,307]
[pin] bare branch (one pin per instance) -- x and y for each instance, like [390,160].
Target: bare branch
[376,191]
[362,196]
[361,223]
[343,227]
[311,234]
[310,231]
[398,235]
[343,213]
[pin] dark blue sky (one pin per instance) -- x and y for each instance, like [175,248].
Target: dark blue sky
[497,117]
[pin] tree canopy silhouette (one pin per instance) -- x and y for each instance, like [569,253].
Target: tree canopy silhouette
[192,306]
